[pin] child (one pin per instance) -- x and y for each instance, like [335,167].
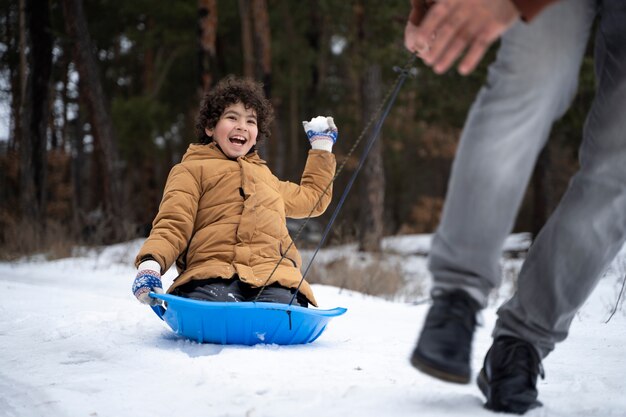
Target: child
[223,214]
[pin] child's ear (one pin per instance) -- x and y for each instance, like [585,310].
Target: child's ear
[209,132]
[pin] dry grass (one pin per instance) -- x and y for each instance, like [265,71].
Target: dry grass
[57,243]
[23,238]
[19,238]
[372,274]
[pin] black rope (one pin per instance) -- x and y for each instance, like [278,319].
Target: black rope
[392,93]
[368,147]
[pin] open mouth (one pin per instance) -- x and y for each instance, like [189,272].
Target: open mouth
[237,140]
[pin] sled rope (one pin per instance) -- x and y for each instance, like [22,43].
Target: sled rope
[380,115]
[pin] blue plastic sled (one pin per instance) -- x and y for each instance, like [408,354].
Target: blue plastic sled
[244,323]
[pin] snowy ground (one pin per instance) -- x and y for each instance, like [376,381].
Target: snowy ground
[74,342]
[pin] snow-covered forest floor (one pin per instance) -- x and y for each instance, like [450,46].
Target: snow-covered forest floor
[74,342]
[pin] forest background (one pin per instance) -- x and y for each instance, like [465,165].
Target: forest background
[98,101]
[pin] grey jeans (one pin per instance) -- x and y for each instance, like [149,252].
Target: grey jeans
[529,86]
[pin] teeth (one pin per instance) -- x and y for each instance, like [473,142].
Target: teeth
[238,139]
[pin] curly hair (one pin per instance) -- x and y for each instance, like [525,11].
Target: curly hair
[232,90]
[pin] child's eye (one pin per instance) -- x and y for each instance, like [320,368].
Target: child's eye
[252,121]
[231,117]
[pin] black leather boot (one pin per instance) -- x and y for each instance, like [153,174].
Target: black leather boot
[444,347]
[509,376]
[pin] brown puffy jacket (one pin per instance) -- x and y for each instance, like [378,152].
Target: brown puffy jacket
[221,217]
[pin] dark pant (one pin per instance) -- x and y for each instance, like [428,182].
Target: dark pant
[234,290]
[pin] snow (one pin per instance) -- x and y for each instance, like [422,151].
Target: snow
[317,124]
[74,342]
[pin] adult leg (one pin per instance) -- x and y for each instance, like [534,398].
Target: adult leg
[589,226]
[531,84]
[577,243]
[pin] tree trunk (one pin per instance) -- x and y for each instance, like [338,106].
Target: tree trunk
[262,44]
[287,149]
[314,38]
[37,39]
[102,125]
[14,52]
[207,41]
[296,132]
[73,131]
[372,176]
[246,38]
[372,181]
[22,48]
[65,97]
[148,61]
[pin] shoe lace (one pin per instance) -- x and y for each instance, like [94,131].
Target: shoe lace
[519,355]
[457,309]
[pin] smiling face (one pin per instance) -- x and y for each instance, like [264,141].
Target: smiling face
[236,130]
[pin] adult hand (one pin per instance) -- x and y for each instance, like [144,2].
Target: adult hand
[321,132]
[148,279]
[418,11]
[452,27]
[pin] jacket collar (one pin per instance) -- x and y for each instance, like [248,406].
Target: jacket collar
[198,151]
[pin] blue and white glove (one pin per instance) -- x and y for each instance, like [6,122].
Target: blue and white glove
[322,132]
[148,279]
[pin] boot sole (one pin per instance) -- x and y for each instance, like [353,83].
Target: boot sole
[517,406]
[432,370]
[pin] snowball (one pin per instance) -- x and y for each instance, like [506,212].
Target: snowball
[318,124]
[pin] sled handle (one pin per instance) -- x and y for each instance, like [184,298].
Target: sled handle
[158,309]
